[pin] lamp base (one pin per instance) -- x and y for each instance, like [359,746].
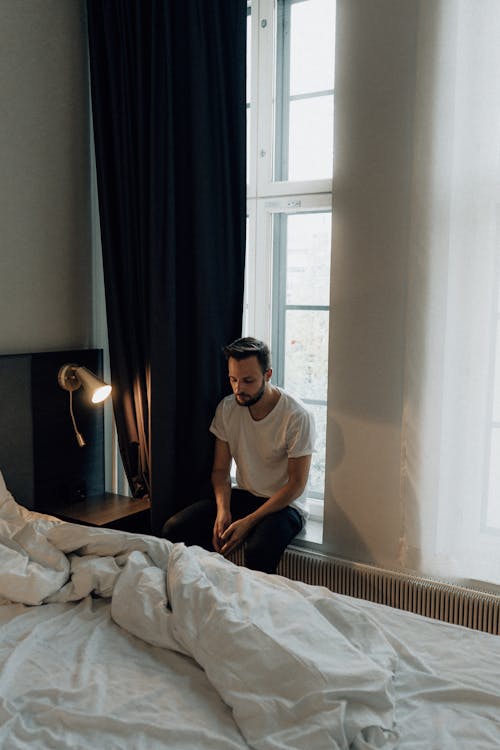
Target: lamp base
[67,378]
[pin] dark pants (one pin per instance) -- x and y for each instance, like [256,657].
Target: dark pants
[263,546]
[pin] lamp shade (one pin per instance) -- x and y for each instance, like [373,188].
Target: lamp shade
[98,389]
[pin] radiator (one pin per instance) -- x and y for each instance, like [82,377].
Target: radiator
[442,601]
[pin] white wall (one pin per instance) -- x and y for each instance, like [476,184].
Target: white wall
[45,256]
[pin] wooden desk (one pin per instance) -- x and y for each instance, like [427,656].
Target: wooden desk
[107,511]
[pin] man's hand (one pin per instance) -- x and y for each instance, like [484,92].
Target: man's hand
[222,521]
[236,534]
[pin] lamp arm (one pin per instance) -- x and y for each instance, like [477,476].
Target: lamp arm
[79,437]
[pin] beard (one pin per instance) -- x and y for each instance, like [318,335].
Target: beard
[251,401]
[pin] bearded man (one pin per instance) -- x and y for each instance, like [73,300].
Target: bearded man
[269,435]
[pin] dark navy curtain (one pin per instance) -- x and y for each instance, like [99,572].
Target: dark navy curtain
[168,102]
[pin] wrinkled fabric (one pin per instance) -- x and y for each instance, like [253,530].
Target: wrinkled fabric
[260,642]
[284,664]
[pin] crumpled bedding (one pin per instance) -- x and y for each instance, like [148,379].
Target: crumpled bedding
[296,670]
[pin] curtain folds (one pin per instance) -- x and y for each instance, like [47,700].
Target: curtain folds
[451,486]
[168,100]
[413,469]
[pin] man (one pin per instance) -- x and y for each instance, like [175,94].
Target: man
[270,436]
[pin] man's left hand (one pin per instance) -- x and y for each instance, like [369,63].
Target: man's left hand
[235,534]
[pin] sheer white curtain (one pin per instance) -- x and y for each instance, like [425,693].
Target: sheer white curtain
[413,444]
[451,449]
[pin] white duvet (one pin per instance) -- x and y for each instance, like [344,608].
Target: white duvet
[295,667]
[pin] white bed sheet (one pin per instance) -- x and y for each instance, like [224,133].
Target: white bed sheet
[447,681]
[112,689]
[271,663]
[71,678]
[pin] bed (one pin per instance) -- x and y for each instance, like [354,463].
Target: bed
[110,639]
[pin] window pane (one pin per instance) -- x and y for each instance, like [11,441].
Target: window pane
[312,36]
[305,57]
[310,154]
[306,353]
[308,259]
[317,473]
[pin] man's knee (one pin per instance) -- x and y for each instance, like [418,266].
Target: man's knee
[266,545]
[192,525]
[261,557]
[173,529]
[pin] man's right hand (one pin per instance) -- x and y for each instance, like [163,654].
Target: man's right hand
[222,521]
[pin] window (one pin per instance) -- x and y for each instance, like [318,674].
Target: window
[289,168]
[304,89]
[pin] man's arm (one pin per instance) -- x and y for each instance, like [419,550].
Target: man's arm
[221,483]
[298,472]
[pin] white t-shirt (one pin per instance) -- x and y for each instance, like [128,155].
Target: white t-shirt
[261,449]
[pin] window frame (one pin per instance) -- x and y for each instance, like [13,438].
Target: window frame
[262,121]
[266,197]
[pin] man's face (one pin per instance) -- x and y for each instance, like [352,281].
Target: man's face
[247,380]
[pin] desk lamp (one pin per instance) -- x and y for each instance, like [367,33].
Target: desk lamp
[70,378]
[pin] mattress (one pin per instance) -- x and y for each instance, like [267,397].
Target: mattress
[110,639]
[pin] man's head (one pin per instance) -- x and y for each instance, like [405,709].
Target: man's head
[249,365]
[249,347]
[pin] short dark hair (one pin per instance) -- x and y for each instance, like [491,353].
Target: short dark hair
[249,347]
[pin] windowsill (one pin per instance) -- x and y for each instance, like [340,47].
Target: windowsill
[312,532]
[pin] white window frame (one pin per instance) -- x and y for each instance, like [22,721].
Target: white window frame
[261,183]
[266,197]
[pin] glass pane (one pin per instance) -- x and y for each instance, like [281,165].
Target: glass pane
[312,46]
[305,57]
[493,512]
[317,474]
[308,259]
[306,353]
[310,142]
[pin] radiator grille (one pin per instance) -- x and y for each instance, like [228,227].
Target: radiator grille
[439,600]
